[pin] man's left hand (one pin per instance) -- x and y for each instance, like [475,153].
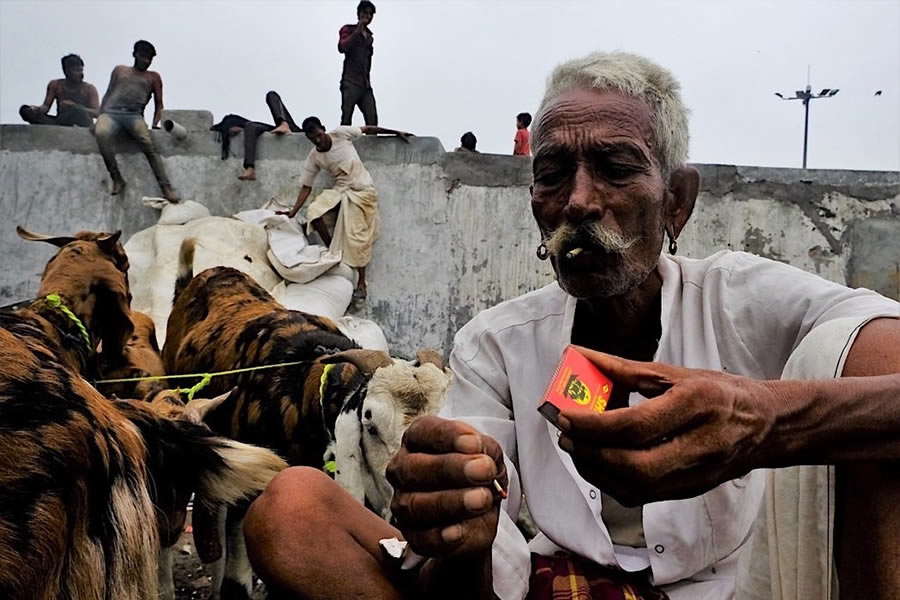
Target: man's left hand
[404,136]
[696,430]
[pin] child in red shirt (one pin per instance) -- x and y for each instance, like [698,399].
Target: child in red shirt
[522,145]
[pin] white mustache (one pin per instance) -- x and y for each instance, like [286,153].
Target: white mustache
[592,232]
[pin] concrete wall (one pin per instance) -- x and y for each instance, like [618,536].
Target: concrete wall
[457,233]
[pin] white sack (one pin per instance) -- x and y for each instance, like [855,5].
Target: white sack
[364,332]
[181,213]
[153,256]
[290,252]
[328,296]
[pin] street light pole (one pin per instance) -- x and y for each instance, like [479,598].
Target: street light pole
[807,96]
[805,125]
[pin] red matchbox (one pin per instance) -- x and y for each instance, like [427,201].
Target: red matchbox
[576,385]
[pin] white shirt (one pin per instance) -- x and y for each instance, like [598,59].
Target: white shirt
[733,312]
[341,162]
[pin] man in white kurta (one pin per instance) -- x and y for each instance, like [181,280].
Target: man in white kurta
[352,195]
[732,312]
[659,494]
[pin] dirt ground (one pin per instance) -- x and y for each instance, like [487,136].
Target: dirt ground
[192,578]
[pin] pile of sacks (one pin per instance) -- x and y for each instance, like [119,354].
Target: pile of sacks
[270,248]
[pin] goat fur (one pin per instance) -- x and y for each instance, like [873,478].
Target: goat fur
[80,475]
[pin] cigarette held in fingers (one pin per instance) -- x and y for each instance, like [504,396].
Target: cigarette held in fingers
[503,493]
[573,253]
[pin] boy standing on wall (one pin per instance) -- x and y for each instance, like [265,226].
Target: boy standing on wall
[522,146]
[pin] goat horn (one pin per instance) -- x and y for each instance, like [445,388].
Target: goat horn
[57,240]
[198,408]
[364,360]
[429,355]
[110,238]
[108,242]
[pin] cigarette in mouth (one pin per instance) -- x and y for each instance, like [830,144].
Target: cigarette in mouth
[574,252]
[503,493]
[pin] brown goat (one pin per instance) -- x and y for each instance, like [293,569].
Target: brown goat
[141,357]
[89,274]
[77,516]
[222,320]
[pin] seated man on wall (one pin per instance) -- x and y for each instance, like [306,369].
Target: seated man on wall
[657,496]
[352,203]
[122,111]
[467,143]
[77,102]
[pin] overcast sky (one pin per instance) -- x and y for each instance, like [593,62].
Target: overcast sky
[445,67]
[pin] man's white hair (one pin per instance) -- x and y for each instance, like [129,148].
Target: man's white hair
[638,77]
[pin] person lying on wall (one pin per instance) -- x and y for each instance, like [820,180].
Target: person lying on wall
[351,206]
[77,101]
[720,366]
[232,125]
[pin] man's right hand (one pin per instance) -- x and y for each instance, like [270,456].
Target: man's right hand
[444,500]
[290,214]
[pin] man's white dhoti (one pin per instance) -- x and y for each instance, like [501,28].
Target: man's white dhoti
[357,225]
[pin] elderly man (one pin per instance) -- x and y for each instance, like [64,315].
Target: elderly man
[657,496]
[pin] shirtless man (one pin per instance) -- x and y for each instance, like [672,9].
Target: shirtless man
[122,109]
[77,101]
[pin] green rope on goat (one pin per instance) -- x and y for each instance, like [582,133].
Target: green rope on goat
[56,302]
[207,377]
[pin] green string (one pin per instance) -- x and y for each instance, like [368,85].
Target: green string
[199,386]
[205,378]
[195,375]
[329,467]
[56,302]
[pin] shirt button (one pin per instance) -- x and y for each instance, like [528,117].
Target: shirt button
[659,548]
[593,495]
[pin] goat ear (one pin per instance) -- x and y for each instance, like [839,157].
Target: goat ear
[108,243]
[364,360]
[198,409]
[57,240]
[112,317]
[428,355]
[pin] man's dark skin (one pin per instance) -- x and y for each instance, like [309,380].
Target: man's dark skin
[142,62]
[322,141]
[62,91]
[594,160]
[122,111]
[356,76]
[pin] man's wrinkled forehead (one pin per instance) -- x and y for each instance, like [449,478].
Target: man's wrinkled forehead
[580,117]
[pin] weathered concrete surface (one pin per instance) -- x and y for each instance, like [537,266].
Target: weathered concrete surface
[457,233]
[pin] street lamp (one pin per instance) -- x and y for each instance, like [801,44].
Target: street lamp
[807,96]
